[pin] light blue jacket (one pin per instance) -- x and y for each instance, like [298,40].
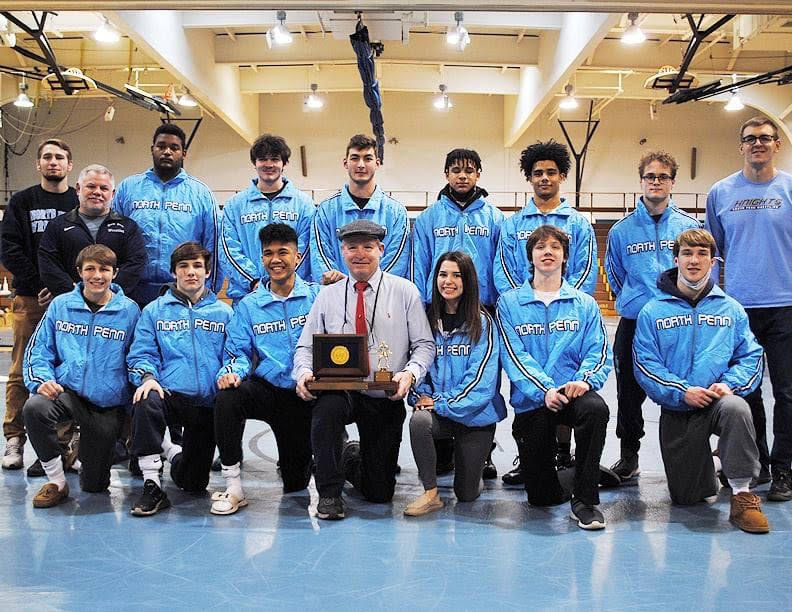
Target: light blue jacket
[638,251]
[340,209]
[180,345]
[244,215]
[512,262]
[445,227]
[677,346]
[266,329]
[544,347]
[82,350]
[464,378]
[168,214]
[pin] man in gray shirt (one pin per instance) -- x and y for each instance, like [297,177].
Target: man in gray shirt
[387,309]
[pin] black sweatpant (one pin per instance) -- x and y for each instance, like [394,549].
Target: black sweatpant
[99,429]
[629,417]
[773,330]
[535,432]
[287,415]
[190,468]
[379,422]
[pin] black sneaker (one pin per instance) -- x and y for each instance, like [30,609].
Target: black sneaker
[627,467]
[781,489]
[515,477]
[587,517]
[151,501]
[36,470]
[763,478]
[330,508]
[564,461]
[490,472]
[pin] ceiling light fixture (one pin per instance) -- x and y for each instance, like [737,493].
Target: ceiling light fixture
[458,36]
[7,36]
[187,100]
[279,34]
[443,102]
[23,100]
[633,35]
[312,100]
[106,33]
[569,101]
[734,103]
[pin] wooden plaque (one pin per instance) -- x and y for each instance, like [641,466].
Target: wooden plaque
[340,355]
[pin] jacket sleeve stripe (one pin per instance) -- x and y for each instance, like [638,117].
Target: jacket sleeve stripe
[319,247]
[215,255]
[231,259]
[758,373]
[29,350]
[609,266]
[590,255]
[515,360]
[603,354]
[398,254]
[480,372]
[653,377]
[505,268]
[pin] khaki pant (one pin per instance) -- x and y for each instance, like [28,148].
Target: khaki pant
[27,313]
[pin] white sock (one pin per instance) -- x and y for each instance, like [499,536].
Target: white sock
[150,466]
[169,449]
[54,471]
[231,473]
[739,485]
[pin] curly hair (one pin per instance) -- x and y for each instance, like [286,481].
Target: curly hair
[545,151]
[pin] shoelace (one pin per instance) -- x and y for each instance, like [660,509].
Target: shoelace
[748,502]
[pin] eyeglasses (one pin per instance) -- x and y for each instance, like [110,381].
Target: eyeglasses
[651,178]
[764,139]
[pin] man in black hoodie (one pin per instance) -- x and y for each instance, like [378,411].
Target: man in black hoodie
[28,213]
[92,222]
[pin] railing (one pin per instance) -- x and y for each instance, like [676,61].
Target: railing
[596,204]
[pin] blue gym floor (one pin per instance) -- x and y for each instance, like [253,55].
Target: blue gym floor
[495,554]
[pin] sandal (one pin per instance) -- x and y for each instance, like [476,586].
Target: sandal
[226,503]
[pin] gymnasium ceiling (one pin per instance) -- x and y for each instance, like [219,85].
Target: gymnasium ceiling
[527,58]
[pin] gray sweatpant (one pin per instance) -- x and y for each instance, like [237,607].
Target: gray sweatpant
[687,456]
[471,447]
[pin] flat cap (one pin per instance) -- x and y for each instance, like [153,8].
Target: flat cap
[361,228]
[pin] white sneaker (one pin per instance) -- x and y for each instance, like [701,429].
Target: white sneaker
[12,458]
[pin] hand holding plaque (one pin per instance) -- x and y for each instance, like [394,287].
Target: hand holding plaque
[341,363]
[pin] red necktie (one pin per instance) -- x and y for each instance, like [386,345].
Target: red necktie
[360,311]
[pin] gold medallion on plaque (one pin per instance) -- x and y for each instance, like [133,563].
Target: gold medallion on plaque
[339,355]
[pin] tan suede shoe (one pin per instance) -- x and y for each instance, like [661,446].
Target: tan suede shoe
[49,495]
[746,513]
[424,505]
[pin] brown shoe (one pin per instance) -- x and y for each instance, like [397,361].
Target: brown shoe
[746,513]
[49,495]
[424,505]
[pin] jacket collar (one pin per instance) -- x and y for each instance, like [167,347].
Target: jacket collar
[451,205]
[174,296]
[151,175]
[253,192]
[373,204]
[643,212]
[73,216]
[76,299]
[264,295]
[563,209]
[525,294]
